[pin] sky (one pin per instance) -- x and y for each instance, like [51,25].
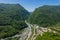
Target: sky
[31,5]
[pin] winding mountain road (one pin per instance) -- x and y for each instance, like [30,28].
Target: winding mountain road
[30,34]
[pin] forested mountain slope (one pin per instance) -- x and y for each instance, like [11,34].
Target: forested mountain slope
[9,12]
[45,16]
[12,17]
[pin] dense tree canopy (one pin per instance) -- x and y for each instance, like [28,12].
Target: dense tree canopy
[10,12]
[12,17]
[45,16]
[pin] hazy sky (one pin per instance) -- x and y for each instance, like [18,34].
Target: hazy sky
[30,5]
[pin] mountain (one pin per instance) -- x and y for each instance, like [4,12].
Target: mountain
[9,12]
[45,16]
[12,17]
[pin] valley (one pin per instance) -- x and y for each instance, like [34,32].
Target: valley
[16,23]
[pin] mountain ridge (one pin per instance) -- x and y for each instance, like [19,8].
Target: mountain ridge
[45,16]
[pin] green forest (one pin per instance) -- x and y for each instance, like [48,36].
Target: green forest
[45,16]
[12,19]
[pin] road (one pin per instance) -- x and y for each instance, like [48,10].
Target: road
[29,31]
[28,34]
